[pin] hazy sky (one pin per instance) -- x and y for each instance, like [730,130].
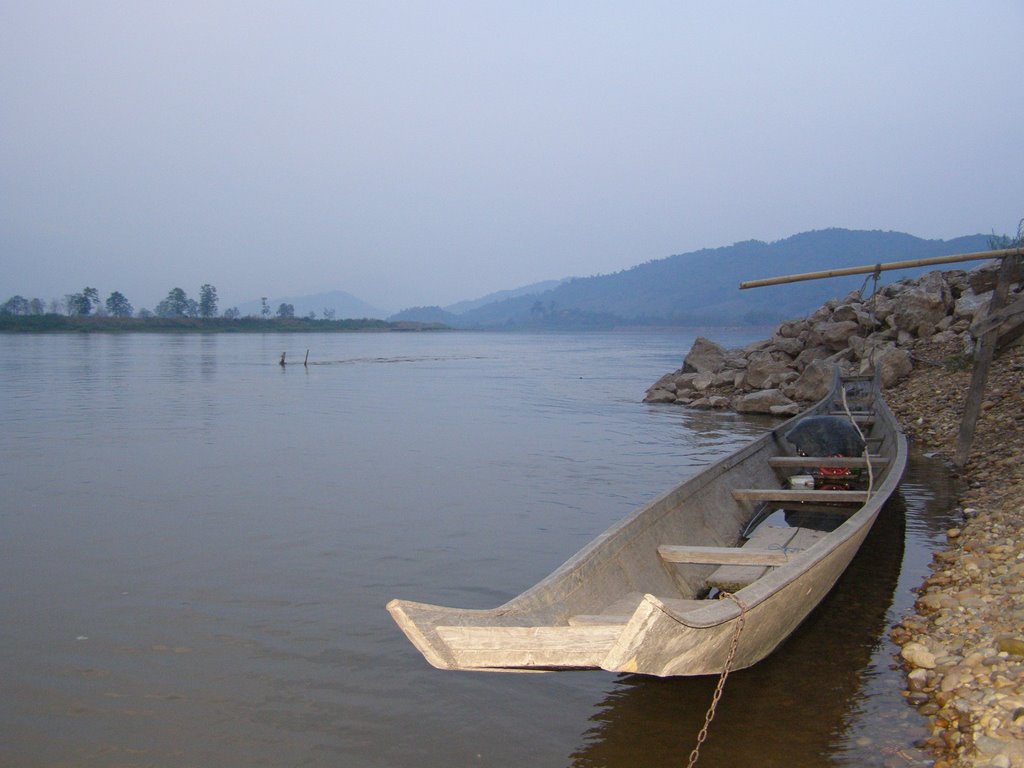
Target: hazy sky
[426,152]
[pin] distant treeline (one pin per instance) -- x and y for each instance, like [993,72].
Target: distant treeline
[54,323]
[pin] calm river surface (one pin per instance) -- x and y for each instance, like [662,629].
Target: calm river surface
[196,547]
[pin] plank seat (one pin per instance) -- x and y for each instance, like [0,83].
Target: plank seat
[789,540]
[746,555]
[862,418]
[826,461]
[790,495]
[621,611]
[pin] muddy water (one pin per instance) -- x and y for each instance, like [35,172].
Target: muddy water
[196,547]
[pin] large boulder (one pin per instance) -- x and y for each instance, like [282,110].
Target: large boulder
[762,401]
[970,304]
[790,346]
[761,369]
[891,362]
[658,395]
[835,336]
[809,355]
[918,311]
[814,383]
[704,357]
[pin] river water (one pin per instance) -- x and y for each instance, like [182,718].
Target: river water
[196,547]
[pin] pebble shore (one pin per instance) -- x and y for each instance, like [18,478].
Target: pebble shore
[963,647]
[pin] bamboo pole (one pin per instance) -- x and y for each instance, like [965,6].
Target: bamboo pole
[843,271]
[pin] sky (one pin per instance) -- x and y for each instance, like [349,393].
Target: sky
[420,153]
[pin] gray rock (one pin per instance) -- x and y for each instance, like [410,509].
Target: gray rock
[703,380]
[705,356]
[814,383]
[761,401]
[836,335]
[659,396]
[970,304]
[791,329]
[809,355]
[683,382]
[917,308]
[893,363]
[790,346]
[761,370]
[917,655]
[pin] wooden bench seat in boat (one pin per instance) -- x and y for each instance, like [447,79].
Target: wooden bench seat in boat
[861,417]
[826,461]
[792,495]
[789,540]
[621,611]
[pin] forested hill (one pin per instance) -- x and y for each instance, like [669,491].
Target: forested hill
[702,287]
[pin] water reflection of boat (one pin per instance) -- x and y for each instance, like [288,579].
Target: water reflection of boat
[791,710]
[636,599]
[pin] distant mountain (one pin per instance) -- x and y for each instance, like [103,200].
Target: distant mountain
[491,298]
[702,287]
[345,306]
[694,289]
[449,314]
[424,315]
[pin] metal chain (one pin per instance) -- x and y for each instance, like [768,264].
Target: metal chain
[695,754]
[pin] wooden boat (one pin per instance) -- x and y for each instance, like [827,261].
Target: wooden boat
[641,597]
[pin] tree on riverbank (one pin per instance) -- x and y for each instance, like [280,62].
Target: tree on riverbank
[207,301]
[118,305]
[177,304]
[82,303]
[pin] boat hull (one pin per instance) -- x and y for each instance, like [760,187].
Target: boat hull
[637,598]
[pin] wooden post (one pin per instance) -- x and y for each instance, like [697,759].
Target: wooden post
[983,359]
[305,362]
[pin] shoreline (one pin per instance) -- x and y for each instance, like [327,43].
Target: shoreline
[963,645]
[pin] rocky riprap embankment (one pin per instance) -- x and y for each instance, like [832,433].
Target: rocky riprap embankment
[963,646]
[794,367]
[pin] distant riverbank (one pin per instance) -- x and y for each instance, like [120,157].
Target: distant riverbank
[53,323]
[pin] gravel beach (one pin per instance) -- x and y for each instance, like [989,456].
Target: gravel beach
[963,648]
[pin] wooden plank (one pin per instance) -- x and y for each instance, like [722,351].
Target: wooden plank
[496,647]
[612,617]
[825,509]
[826,461]
[993,320]
[680,553]
[983,359]
[783,494]
[862,419]
[804,538]
[733,577]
